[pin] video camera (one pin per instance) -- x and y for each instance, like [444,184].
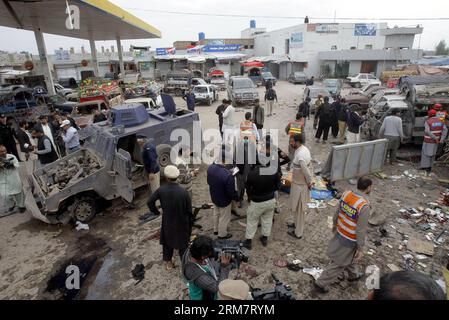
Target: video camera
[6,163]
[280,292]
[234,249]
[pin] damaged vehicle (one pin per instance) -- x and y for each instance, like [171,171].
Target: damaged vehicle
[108,166]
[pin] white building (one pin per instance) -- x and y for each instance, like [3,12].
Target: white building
[336,49]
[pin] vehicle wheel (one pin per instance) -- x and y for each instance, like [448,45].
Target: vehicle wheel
[358,85]
[178,92]
[83,209]
[355,107]
[163,156]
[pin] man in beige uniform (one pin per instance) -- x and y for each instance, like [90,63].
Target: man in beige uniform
[345,249]
[301,185]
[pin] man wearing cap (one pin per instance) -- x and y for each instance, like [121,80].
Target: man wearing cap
[442,114]
[222,191]
[233,290]
[149,158]
[70,137]
[45,150]
[7,137]
[177,218]
[435,132]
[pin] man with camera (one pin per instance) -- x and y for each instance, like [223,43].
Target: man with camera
[202,272]
[11,189]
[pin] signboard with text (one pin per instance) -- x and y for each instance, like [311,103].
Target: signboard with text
[222,48]
[62,55]
[297,40]
[365,30]
[165,51]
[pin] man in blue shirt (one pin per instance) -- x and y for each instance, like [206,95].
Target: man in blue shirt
[149,158]
[222,191]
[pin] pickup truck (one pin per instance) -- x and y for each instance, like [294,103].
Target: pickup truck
[206,94]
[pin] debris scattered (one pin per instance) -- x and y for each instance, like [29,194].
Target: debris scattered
[138,272]
[314,272]
[420,246]
[393,267]
[81,226]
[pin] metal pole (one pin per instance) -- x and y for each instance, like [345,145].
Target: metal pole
[93,53]
[44,60]
[120,57]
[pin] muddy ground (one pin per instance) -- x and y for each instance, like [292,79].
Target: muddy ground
[33,254]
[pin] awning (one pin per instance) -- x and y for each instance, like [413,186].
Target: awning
[11,72]
[254,64]
[197,59]
[99,19]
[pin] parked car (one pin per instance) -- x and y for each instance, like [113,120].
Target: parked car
[241,90]
[108,166]
[313,92]
[205,93]
[298,77]
[333,85]
[63,91]
[362,79]
[56,102]
[268,77]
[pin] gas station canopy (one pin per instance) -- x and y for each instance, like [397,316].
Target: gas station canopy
[99,19]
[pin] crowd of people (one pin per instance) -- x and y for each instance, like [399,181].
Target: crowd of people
[242,167]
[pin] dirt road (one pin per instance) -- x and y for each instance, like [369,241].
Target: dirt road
[34,255]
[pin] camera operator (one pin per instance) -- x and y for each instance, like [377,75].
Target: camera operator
[201,271]
[11,189]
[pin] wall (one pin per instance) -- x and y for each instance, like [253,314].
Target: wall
[314,42]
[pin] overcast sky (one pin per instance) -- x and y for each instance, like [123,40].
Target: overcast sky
[186,27]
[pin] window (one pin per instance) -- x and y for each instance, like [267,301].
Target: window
[353,48]
[369,46]
[272,50]
[371,77]
[287,46]
[246,47]
[334,48]
[251,47]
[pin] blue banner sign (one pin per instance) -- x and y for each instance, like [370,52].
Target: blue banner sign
[165,51]
[222,48]
[365,30]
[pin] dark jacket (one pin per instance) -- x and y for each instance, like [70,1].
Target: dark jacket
[271,95]
[258,116]
[23,139]
[220,109]
[7,135]
[221,185]
[177,220]
[337,106]
[325,113]
[47,158]
[261,188]
[343,113]
[149,157]
[354,122]
[304,109]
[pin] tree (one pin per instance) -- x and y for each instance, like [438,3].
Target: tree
[441,49]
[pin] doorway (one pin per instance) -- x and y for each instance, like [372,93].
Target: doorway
[368,67]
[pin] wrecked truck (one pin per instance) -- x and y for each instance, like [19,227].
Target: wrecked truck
[108,166]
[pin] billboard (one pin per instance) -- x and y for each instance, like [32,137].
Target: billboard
[165,51]
[216,42]
[222,48]
[365,30]
[296,40]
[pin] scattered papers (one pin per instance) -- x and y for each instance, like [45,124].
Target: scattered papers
[314,272]
[81,226]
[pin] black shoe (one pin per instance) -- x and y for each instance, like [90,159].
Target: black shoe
[228,236]
[292,233]
[22,210]
[248,244]
[215,233]
[291,225]
[277,210]
[264,241]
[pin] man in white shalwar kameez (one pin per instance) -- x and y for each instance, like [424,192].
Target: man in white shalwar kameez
[11,189]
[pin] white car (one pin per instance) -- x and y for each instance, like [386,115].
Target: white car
[149,103]
[205,93]
[362,79]
[63,91]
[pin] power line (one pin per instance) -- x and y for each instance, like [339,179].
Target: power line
[286,17]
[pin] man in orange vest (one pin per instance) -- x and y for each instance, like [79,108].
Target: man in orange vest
[293,128]
[435,132]
[350,227]
[248,129]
